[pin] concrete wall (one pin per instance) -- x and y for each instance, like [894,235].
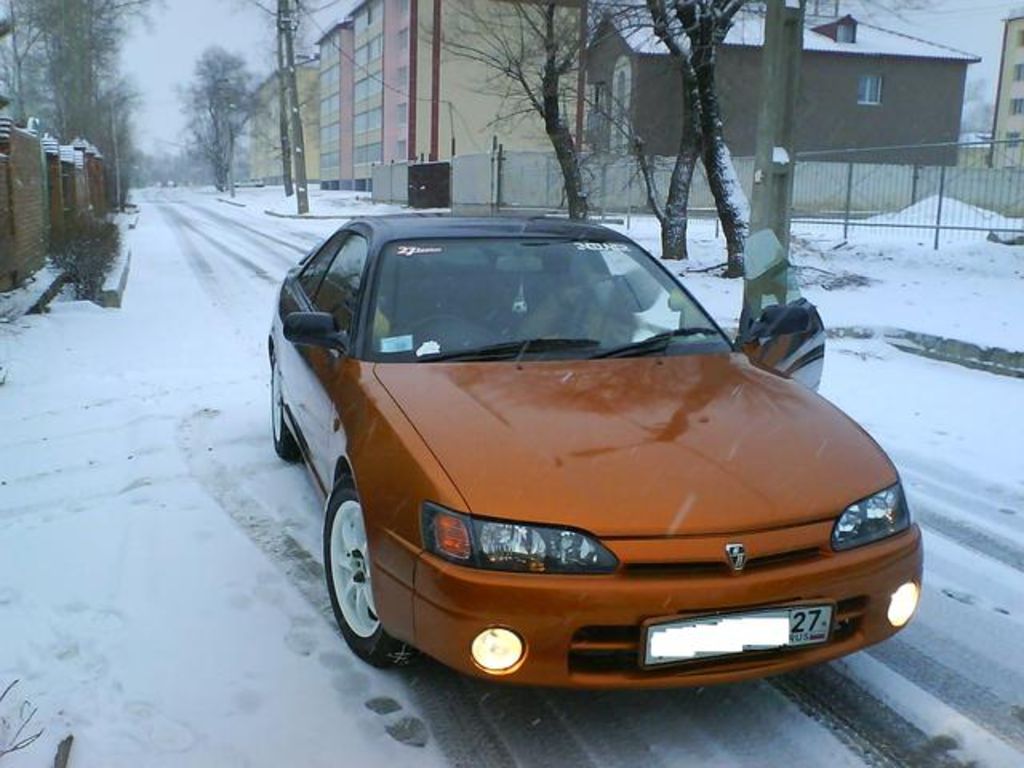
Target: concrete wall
[391,183]
[532,181]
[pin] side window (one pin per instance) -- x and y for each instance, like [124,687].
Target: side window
[340,286]
[313,273]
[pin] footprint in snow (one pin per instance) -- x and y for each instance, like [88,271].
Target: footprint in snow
[960,597]
[407,730]
[300,643]
[410,731]
[382,705]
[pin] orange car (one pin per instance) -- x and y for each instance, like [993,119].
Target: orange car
[543,462]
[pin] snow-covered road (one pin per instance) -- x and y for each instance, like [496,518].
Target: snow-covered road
[161,588]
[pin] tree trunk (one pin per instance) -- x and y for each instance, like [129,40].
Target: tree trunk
[568,162]
[554,125]
[730,200]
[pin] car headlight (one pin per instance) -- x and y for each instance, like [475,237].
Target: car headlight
[500,545]
[876,517]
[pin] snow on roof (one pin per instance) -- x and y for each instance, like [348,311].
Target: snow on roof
[748,31]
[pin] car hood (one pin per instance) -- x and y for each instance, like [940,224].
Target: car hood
[638,447]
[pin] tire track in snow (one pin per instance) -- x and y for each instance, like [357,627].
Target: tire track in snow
[249,265]
[970,537]
[221,218]
[975,702]
[870,728]
[456,722]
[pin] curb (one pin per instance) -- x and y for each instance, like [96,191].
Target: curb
[116,282]
[310,216]
[996,360]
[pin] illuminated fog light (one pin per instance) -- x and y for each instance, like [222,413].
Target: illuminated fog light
[497,650]
[903,603]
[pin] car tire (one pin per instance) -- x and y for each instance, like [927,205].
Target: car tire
[348,567]
[285,445]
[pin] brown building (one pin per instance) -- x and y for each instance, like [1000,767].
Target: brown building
[861,87]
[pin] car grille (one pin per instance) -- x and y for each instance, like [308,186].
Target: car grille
[718,567]
[616,649]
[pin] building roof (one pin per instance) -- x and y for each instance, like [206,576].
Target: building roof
[333,29]
[748,32]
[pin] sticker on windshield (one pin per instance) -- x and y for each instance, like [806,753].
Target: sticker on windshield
[416,250]
[587,246]
[392,344]
[428,348]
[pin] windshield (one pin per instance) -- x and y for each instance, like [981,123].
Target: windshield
[438,298]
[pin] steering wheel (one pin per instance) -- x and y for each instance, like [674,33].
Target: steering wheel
[451,331]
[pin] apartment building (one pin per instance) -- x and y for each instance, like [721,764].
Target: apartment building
[1009,119]
[265,127]
[399,93]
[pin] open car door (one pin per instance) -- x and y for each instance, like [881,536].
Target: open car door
[779,329]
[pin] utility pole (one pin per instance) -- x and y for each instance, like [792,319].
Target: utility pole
[287,23]
[282,108]
[774,165]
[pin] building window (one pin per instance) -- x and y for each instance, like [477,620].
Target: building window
[400,150]
[403,77]
[1020,39]
[368,153]
[403,6]
[1013,139]
[1017,107]
[870,90]
[1018,73]
[403,38]
[402,113]
[846,33]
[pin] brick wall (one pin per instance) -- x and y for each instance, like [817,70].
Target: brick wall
[68,181]
[6,220]
[25,249]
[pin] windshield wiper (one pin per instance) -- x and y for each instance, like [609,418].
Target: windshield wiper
[652,344]
[512,350]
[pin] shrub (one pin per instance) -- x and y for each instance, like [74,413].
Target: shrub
[86,253]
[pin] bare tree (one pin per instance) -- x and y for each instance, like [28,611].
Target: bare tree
[13,736]
[218,103]
[692,32]
[63,66]
[532,50]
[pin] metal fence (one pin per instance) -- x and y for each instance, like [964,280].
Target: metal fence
[834,193]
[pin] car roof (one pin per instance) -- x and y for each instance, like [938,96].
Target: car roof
[416,226]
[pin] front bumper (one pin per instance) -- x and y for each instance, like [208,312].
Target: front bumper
[585,631]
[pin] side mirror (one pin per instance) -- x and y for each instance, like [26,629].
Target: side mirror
[780,320]
[314,329]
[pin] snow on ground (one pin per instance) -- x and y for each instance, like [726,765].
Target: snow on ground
[160,595]
[136,613]
[967,290]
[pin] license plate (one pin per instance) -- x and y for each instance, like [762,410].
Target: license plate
[736,633]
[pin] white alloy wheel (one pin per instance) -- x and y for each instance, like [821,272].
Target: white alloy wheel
[350,570]
[276,404]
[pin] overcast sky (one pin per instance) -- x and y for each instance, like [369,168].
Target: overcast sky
[161,55]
